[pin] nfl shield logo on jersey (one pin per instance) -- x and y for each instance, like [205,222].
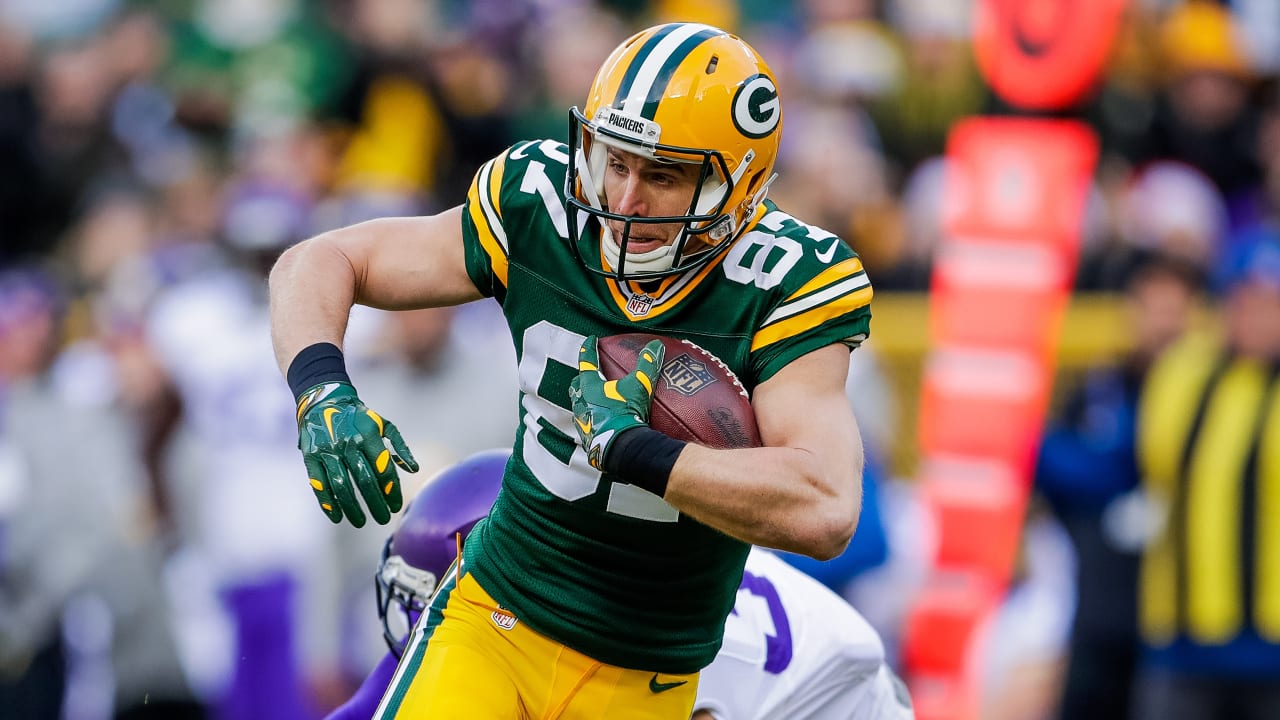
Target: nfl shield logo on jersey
[639,304]
[686,375]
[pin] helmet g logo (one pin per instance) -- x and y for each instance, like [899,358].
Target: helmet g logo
[756,110]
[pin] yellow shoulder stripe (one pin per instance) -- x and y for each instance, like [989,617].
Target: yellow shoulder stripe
[839,271]
[488,235]
[495,184]
[801,322]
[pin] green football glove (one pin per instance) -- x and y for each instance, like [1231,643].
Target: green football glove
[344,443]
[603,408]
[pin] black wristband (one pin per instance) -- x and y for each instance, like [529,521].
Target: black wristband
[643,457]
[315,364]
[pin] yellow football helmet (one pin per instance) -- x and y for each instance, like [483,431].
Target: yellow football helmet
[685,93]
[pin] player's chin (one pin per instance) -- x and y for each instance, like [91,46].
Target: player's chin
[637,245]
[644,239]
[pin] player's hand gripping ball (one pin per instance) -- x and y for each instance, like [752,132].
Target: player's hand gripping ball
[603,408]
[344,446]
[696,397]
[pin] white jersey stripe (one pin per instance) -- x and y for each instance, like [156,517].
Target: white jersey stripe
[486,203]
[841,288]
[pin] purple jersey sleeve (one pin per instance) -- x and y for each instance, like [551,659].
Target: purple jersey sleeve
[364,702]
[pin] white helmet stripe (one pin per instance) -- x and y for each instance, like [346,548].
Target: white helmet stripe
[648,73]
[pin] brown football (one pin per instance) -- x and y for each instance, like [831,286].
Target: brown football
[697,397]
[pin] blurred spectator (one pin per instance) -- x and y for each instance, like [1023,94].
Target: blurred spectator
[837,179]
[475,87]
[837,173]
[1123,104]
[20,189]
[73,141]
[1087,472]
[1203,116]
[940,81]
[1164,208]
[143,116]
[1173,209]
[1260,25]
[32,659]
[84,620]
[115,226]
[859,60]
[426,105]
[397,136]
[1263,206]
[908,263]
[241,67]
[570,43]
[248,525]
[1209,614]
[56,21]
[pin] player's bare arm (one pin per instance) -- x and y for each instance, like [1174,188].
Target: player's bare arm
[802,491]
[390,263]
[350,451]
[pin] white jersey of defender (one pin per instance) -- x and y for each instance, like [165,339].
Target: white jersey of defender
[245,504]
[795,650]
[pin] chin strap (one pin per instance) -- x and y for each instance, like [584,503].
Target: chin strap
[729,224]
[587,180]
[758,198]
[762,192]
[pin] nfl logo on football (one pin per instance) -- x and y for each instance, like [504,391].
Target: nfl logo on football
[686,375]
[639,304]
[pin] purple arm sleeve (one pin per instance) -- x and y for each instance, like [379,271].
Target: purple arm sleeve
[362,705]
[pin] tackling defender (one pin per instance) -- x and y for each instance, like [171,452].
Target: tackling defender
[793,649]
[600,583]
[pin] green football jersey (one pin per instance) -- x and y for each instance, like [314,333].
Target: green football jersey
[601,566]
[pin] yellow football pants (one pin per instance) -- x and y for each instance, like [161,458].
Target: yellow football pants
[477,661]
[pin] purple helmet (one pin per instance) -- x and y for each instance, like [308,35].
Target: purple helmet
[418,554]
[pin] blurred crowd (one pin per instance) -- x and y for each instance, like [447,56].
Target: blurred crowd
[160,552]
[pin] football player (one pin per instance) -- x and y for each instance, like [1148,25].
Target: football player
[600,582]
[792,649]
